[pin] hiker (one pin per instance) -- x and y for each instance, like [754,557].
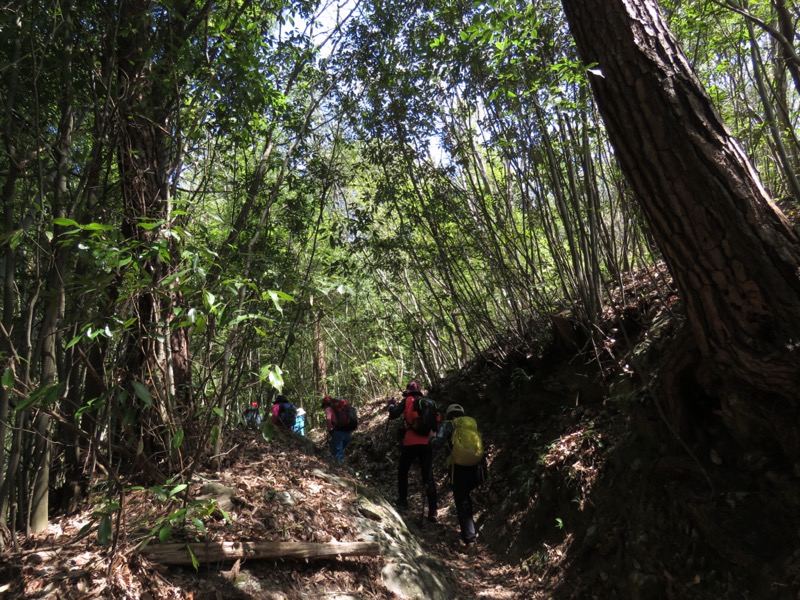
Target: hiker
[340,421]
[414,447]
[459,433]
[252,416]
[284,413]
[300,426]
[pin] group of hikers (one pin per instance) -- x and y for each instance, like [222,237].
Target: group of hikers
[284,415]
[425,429]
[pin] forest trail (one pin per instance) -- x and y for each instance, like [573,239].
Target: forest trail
[284,490]
[589,499]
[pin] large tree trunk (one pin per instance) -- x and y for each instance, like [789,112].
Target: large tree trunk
[732,253]
[148,155]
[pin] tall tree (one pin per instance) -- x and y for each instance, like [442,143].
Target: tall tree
[733,254]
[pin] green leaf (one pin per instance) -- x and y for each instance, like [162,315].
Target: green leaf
[277,297]
[96,227]
[13,239]
[150,226]
[195,562]
[164,533]
[225,515]
[8,378]
[219,412]
[143,393]
[73,341]
[104,530]
[44,395]
[65,222]
[201,527]
[276,377]
[177,441]
[170,278]
[177,489]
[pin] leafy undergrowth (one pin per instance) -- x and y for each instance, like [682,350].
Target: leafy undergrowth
[591,495]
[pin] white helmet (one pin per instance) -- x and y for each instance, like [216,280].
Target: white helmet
[452,410]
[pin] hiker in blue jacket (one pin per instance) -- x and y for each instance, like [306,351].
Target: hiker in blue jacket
[284,413]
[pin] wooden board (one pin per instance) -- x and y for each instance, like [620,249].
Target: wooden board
[218,552]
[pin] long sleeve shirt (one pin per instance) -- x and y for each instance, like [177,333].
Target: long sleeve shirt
[443,436]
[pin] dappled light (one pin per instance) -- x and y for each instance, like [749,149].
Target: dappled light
[556,242]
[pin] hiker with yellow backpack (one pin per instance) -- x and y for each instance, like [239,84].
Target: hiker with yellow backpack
[466,461]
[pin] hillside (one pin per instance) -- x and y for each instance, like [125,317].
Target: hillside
[592,495]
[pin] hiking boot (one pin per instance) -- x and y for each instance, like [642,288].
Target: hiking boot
[463,547]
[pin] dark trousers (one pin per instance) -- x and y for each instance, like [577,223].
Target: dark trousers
[464,480]
[423,454]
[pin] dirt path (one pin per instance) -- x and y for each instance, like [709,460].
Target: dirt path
[285,490]
[480,572]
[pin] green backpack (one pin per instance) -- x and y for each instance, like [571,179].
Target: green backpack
[466,443]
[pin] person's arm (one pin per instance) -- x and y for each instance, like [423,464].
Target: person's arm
[442,437]
[329,419]
[397,409]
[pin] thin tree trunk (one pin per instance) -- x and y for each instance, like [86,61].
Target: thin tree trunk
[320,355]
[9,253]
[769,113]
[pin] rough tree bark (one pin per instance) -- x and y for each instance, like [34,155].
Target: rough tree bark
[733,254]
[148,155]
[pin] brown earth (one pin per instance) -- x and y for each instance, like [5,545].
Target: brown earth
[593,493]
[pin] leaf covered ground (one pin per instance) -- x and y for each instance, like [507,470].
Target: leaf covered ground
[592,495]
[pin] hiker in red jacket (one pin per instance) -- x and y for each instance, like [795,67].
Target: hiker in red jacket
[414,448]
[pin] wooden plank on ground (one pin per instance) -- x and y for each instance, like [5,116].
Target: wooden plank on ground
[217,552]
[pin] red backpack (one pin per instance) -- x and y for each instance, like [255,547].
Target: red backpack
[421,414]
[345,416]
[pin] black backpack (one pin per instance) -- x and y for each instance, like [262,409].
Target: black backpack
[288,415]
[427,418]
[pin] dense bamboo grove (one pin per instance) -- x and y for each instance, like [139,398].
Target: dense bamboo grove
[206,202]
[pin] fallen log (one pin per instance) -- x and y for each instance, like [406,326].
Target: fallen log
[217,552]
